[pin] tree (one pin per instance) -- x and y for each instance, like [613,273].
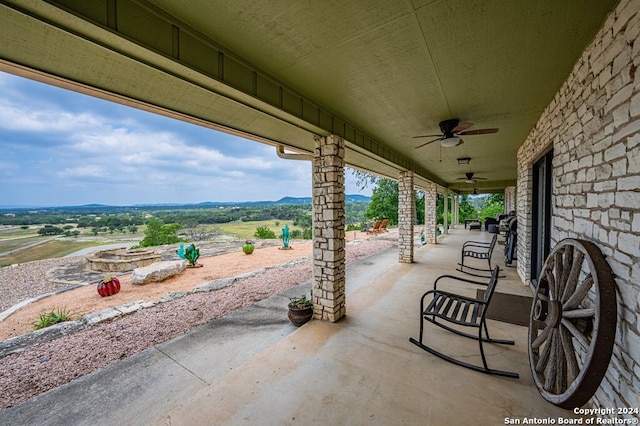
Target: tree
[158,233]
[493,205]
[50,230]
[466,209]
[264,232]
[384,201]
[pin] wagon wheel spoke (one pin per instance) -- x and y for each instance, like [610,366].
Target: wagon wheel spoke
[576,333]
[572,276]
[579,294]
[570,355]
[543,359]
[550,369]
[542,337]
[580,313]
[561,364]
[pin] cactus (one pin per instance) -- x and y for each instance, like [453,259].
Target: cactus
[285,236]
[191,254]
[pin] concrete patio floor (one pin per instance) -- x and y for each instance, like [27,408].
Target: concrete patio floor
[253,367]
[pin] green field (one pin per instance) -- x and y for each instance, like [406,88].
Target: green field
[245,230]
[27,247]
[47,250]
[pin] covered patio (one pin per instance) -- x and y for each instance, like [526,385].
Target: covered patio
[550,88]
[255,368]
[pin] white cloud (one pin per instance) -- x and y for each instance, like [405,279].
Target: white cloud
[112,155]
[18,117]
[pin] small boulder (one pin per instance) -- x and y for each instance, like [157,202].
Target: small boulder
[157,272]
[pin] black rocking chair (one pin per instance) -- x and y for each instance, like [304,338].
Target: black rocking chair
[462,311]
[478,250]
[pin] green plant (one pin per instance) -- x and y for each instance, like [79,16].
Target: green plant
[264,232]
[191,254]
[52,317]
[300,302]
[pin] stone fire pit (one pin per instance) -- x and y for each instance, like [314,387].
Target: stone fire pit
[120,260]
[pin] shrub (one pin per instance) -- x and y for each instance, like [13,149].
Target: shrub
[264,232]
[47,319]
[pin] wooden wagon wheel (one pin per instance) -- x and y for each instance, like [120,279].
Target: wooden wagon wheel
[572,324]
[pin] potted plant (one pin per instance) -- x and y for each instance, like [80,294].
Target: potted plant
[108,286]
[300,310]
[423,239]
[248,247]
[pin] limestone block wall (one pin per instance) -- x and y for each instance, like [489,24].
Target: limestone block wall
[593,126]
[430,218]
[328,229]
[406,214]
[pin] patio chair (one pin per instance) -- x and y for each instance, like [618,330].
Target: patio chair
[477,250]
[475,225]
[462,311]
[383,226]
[375,228]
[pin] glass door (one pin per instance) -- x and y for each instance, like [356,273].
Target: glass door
[541,214]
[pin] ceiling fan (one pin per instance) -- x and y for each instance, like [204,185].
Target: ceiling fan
[451,132]
[470,178]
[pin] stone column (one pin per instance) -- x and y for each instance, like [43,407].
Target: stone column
[509,198]
[406,210]
[430,211]
[455,208]
[328,229]
[445,219]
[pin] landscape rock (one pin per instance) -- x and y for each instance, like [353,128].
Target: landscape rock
[157,272]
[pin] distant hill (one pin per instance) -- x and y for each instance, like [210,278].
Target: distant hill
[349,198]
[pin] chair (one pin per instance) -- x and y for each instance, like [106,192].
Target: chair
[491,225]
[462,311]
[477,225]
[477,250]
[383,226]
[375,228]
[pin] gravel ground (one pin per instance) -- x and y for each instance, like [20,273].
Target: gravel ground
[26,280]
[46,366]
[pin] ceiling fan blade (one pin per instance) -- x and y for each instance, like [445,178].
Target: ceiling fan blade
[427,136]
[460,143]
[461,126]
[478,178]
[427,143]
[479,132]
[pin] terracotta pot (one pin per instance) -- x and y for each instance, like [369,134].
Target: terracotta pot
[300,316]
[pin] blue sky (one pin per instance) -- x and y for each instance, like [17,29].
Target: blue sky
[60,148]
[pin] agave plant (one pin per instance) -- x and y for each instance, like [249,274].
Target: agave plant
[191,254]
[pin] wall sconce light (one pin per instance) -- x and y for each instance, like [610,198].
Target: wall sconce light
[463,161]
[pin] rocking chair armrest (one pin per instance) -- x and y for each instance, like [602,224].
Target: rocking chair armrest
[455,278]
[476,244]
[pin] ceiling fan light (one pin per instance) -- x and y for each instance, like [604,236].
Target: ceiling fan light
[450,141]
[463,161]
